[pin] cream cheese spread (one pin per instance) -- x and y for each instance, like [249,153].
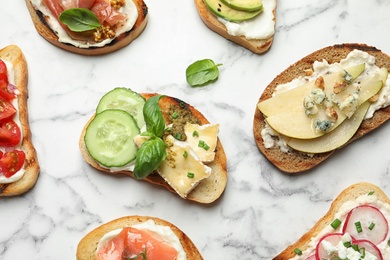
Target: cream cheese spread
[18,175]
[321,68]
[165,232]
[260,27]
[129,9]
[341,215]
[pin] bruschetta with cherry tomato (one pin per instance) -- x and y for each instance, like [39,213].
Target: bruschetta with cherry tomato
[89,27]
[19,168]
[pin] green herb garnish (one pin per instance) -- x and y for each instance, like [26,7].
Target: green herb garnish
[201,72]
[190,175]
[79,19]
[298,251]
[195,134]
[336,223]
[358,226]
[371,226]
[152,152]
[203,145]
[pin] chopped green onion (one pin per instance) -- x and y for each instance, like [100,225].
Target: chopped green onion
[178,136]
[190,175]
[298,251]
[388,242]
[336,223]
[355,247]
[371,226]
[182,104]
[203,145]
[358,226]
[185,154]
[168,129]
[371,192]
[175,115]
[362,252]
[347,244]
[195,134]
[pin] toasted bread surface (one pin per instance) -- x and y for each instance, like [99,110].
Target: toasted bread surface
[209,189]
[212,22]
[86,248]
[350,193]
[14,55]
[43,28]
[295,161]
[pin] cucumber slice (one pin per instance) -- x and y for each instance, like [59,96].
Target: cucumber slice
[109,138]
[124,99]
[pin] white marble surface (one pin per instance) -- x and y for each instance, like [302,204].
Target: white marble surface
[262,210]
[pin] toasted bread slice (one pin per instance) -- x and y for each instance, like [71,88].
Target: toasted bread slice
[351,193]
[42,26]
[86,248]
[257,46]
[14,55]
[209,189]
[295,161]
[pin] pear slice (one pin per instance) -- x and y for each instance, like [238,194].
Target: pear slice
[335,139]
[292,100]
[297,124]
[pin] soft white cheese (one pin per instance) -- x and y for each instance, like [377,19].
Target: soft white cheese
[164,232]
[260,27]
[18,175]
[342,214]
[130,10]
[321,68]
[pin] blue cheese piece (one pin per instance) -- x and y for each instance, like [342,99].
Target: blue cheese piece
[182,169]
[202,139]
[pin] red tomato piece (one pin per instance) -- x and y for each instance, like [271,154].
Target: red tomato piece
[7,110]
[10,134]
[12,162]
[3,72]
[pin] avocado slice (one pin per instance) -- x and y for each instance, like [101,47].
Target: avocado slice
[244,5]
[224,11]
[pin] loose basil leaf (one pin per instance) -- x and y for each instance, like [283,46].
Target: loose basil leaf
[149,156]
[201,72]
[79,19]
[153,116]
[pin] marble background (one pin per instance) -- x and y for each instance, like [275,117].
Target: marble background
[262,210]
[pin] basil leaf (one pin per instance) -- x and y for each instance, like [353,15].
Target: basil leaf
[149,156]
[201,72]
[154,119]
[79,19]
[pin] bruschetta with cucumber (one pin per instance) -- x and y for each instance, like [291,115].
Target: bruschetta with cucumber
[159,139]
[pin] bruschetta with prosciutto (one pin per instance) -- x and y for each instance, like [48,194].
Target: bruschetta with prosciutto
[89,27]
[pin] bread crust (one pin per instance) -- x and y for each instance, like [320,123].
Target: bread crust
[14,55]
[211,21]
[208,190]
[350,193]
[43,28]
[86,248]
[295,161]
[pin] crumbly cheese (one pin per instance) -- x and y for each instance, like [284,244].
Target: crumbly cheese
[18,175]
[204,133]
[321,68]
[164,232]
[183,170]
[260,27]
[342,214]
[129,9]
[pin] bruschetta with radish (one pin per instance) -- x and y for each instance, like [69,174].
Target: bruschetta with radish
[137,237]
[355,227]
[159,139]
[89,27]
[19,168]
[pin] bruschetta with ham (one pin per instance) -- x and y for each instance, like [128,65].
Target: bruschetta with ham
[89,27]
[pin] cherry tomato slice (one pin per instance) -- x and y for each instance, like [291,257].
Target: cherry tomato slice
[10,134]
[3,71]
[7,110]
[12,162]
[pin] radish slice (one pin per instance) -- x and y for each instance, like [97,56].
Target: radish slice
[330,240]
[312,257]
[374,226]
[369,247]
